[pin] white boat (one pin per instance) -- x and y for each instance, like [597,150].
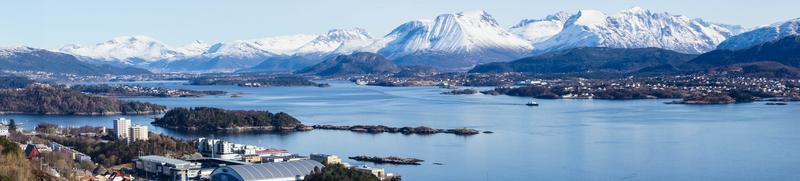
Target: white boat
[532,103]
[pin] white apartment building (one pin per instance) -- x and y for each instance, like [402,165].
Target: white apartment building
[122,128]
[138,132]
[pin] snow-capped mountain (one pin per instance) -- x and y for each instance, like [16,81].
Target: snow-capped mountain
[762,35]
[334,39]
[23,58]
[452,41]
[197,47]
[637,28]
[125,49]
[538,30]
[270,46]
[9,51]
[231,56]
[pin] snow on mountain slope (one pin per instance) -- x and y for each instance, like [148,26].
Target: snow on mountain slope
[636,28]
[8,51]
[235,55]
[471,37]
[334,39]
[270,46]
[197,47]
[762,35]
[538,30]
[125,49]
[284,45]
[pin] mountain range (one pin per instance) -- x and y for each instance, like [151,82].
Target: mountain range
[777,58]
[33,59]
[450,42]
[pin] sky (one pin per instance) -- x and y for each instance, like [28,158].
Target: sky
[54,23]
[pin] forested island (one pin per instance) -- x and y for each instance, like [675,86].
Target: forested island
[461,92]
[421,130]
[255,81]
[44,99]
[216,119]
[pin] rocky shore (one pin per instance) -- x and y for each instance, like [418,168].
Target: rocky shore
[389,160]
[422,130]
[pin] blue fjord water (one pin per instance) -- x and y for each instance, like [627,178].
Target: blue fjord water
[559,140]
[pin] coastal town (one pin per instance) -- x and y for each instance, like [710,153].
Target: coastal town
[60,153]
[685,87]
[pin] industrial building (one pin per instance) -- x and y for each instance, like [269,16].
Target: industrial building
[280,171]
[326,159]
[163,168]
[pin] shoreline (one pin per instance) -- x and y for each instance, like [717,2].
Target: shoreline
[372,129]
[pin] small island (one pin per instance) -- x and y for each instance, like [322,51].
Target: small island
[44,99]
[422,130]
[727,97]
[221,120]
[388,160]
[461,92]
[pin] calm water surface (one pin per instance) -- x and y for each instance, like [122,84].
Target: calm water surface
[559,140]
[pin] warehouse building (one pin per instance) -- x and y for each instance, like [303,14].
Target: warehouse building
[163,168]
[279,171]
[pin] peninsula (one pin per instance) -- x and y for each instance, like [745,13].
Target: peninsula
[44,99]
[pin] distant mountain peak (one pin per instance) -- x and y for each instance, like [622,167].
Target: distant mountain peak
[332,40]
[6,51]
[637,28]
[196,47]
[125,48]
[588,18]
[538,30]
[636,10]
[763,34]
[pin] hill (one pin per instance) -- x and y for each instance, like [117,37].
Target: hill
[216,119]
[32,59]
[590,59]
[356,63]
[785,51]
[281,64]
[52,100]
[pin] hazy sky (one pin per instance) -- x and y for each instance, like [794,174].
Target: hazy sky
[54,23]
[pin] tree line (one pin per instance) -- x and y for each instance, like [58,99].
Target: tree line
[53,100]
[208,118]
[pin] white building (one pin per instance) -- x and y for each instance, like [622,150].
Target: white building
[326,159]
[223,149]
[283,171]
[121,128]
[162,168]
[138,132]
